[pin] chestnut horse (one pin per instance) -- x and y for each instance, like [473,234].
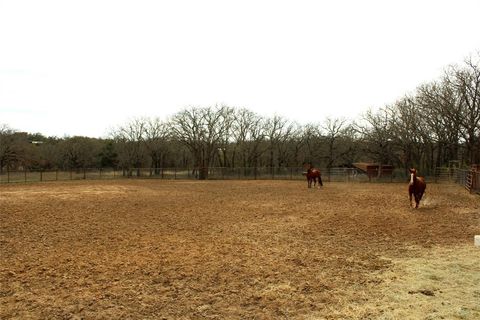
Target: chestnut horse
[313,175]
[416,187]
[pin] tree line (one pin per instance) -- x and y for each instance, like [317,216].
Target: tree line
[436,124]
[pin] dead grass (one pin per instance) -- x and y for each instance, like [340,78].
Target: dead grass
[443,283]
[237,250]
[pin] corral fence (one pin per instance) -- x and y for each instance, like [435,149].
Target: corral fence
[469,178]
[214,173]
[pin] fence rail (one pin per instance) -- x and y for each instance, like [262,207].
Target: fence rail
[464,177]
[214,173]
[469,178]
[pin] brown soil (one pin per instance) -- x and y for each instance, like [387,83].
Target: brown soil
[149,249]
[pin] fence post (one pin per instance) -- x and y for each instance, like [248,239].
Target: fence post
[475,180]
[100,173]
[25,171]
[175,173]
[71,178]
[84,174]
[41,175]
[56,175]
[8,175]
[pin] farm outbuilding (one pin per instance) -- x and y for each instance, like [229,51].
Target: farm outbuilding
[374,170]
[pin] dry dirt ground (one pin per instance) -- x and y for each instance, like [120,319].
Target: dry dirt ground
[150,249]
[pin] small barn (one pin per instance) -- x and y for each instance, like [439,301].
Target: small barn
[375,170]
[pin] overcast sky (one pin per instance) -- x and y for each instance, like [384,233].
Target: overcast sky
[83,67]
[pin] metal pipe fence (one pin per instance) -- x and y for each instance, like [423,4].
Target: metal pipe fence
[214,173]
[470,179]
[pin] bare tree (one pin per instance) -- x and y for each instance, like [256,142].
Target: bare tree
[283,143]
[129,140]
[9,149]
[155,137]
[248,137]
[438,106]
[311,136]
[376,134]
[466,82]
[409,135]
[437,124]
[276,128]
[295,145]
[79,152]
[334,129]
[202,130]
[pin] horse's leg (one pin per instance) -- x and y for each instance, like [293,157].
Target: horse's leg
[320,181]
[418,196]
[421,195]
[410,195]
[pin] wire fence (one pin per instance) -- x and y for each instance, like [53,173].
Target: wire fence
[468,178]
[214,173]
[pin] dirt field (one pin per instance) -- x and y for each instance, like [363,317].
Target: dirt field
[149,249]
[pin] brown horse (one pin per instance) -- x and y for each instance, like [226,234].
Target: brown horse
[416,187]
[313,175]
